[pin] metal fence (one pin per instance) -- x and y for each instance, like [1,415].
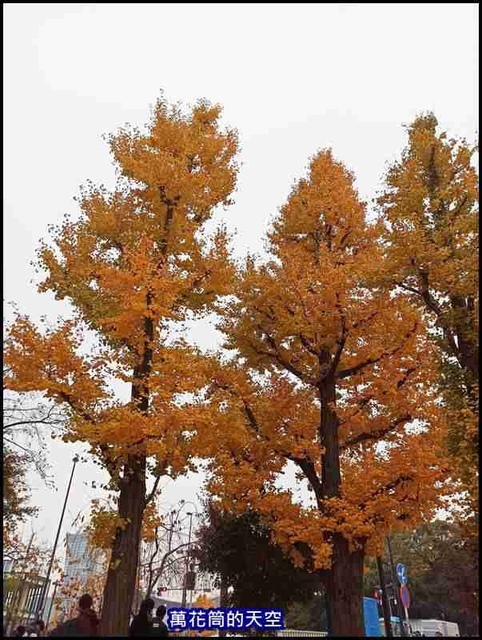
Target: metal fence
[21,598]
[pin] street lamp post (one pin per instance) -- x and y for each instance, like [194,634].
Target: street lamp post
[45,588]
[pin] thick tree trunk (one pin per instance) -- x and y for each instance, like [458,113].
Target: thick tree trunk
[121,577]
[344,581]
[344,589]
[330,460]
[466,333]
[223,600]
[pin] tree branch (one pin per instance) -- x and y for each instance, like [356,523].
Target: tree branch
[282,361]
[377,434]
[342,339]
[433,306]
[369,317]
[19,423]
[305,464]
[361,365]
[164,560]
[29,451]
[159,475]
[308,468]
[388,487]
[307,344]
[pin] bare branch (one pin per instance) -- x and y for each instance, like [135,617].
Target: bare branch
[164,560]
[29,451]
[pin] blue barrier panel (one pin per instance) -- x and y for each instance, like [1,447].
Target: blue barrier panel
[371,618]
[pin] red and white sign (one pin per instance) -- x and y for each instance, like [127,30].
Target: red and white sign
[405,596]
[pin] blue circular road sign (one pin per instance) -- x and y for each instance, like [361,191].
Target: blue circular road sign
[402,573]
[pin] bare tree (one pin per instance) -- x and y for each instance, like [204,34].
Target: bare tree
[27,422]
[163,559]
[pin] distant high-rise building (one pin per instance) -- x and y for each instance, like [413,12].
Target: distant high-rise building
[81,560]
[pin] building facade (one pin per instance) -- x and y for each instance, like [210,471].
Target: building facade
[81,561]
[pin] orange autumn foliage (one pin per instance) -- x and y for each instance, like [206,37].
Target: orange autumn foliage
[311,317]
[204,602]
[430,211]
[134,260]
[332,373]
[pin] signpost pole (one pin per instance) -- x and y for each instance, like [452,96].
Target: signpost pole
[407,618]
[397,596]
[385,599]
[405,599]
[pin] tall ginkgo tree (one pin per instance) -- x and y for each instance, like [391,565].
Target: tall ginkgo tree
[133,260]
[430,211]
[334,375]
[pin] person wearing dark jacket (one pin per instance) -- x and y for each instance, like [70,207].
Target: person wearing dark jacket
[86,624]
[87,620]
[159,627]
[142,624]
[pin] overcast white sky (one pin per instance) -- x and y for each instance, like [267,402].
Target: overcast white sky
[292,78]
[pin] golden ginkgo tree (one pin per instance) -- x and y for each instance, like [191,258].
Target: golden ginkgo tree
[429,208]
[133,260]
[333,374]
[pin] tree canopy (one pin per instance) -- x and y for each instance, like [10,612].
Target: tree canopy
[240,549]
[333,373]
[350,349]
[429,209]
[134,260]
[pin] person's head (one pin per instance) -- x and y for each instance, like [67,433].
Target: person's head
[161,612]
[85,602]
[40,624]
[146,607]
[20,630]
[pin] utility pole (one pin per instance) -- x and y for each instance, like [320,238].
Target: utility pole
[193,570]
[45,588]
[184,590]
[223,600]
[385,599]
[56,584]
[395,583]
